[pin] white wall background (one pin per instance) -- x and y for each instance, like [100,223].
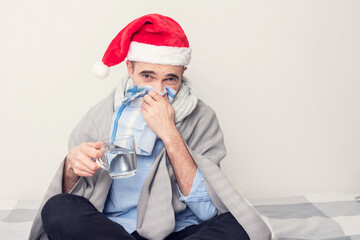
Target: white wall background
[283,77]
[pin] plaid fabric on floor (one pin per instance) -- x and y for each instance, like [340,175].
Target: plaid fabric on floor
[316,216]
[305,217]
[16,218]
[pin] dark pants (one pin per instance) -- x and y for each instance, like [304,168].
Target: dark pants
[68,217]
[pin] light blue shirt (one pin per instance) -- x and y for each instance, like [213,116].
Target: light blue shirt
[121,202]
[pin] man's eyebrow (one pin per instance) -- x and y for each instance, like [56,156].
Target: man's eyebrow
[172,75]
[147,72]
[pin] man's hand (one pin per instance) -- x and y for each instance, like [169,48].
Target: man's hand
[158,114]
[79,159]
[78,163]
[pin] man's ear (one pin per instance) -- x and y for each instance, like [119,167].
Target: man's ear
[129,67]
[184,69]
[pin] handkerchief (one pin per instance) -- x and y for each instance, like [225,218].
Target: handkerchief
[127,118]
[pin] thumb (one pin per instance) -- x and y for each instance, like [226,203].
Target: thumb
[95,144]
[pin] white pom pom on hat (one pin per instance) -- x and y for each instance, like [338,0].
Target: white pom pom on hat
[101,70]
[152,38]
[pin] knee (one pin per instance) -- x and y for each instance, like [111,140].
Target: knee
[229,222]
[59,208]
[227,216]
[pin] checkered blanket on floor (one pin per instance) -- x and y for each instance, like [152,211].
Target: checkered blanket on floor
[16,217]
[317,216]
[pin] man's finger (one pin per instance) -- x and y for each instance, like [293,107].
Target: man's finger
[81,166]
[149,100]
[95,144]
[81,173]
[156,96]
[89,165]
[166,97]
[144,112]
[92,149]
[92,165]
[145,106]
[94,153]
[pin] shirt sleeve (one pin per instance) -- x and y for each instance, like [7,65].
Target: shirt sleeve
[198,199]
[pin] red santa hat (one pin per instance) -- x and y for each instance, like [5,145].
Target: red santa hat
[152,38]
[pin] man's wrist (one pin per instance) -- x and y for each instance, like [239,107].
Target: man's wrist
[69,177]
[68,171]
[172,138]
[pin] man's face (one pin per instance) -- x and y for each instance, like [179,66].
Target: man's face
[156,75]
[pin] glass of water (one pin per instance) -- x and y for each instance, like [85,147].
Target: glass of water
[119,156]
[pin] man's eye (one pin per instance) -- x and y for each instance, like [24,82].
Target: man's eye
[171,79]
[147,76]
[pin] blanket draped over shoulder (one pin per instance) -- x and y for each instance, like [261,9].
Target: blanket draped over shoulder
[159,197]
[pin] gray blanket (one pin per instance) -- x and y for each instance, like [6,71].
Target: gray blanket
[158,200]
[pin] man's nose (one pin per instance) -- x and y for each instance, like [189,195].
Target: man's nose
[158,87]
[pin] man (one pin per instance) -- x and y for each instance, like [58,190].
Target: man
[179,191]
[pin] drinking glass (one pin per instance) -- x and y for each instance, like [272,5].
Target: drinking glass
[119,156]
